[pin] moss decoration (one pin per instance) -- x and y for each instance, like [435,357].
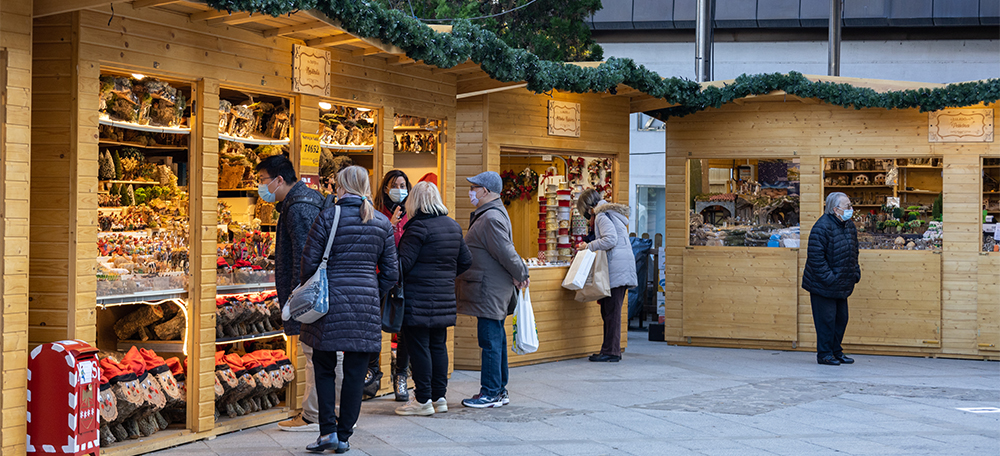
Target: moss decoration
[118,165]
[937,208]
[105,166]
[467,41]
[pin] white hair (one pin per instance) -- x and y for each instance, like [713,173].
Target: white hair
[833,200]
[425,199]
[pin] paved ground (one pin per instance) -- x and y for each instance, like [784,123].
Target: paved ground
[666,400]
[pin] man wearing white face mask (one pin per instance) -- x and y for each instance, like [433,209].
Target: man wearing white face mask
[299,206]
[830,274]
[487,290]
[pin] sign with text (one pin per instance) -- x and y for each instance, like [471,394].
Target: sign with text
[311,71]
[960,125]
[310,151]
[564,118]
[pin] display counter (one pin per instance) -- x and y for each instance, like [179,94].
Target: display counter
[566,328]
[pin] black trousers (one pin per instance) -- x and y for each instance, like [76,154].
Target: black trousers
[355,368]
[830,319]
[611,313]
[428,361]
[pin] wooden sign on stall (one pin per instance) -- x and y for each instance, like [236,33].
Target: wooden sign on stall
[311,71]
[564,119]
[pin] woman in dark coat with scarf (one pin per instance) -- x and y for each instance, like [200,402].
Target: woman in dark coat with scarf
[363,242]
[830,274]
[432,253]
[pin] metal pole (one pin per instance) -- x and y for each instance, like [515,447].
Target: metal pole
[703,40]
[836,12]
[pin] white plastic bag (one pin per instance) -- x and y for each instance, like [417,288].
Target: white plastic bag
[525,332]
[576,278]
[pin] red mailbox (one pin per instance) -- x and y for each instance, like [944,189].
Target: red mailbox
[63,383]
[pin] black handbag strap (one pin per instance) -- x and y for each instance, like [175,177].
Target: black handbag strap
[333,234]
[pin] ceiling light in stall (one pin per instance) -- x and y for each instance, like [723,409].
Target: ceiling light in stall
[325,106]
[364,109]
[138,76]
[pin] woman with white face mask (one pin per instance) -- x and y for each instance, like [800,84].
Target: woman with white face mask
[391,201]
[830,274]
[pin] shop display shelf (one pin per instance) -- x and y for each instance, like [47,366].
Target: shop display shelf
[857,186]
[356,148]
[146,128]
[256,141]
[920,192]
[133,182]
[105,142]
[142,296]
[245,288]
[855,171]
[919,167]
[267,335]
[414,128]
[159,346]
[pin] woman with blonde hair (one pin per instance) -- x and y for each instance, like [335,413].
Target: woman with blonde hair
[361,267]
[432,253]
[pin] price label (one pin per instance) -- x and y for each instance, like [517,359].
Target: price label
[310,151]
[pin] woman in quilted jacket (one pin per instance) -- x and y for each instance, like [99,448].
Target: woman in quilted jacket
[830,274]
[361,268]
[432,253]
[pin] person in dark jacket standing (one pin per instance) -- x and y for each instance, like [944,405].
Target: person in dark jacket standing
[364,241]
[298,206]
[488,289]
[830,274]
[432,253]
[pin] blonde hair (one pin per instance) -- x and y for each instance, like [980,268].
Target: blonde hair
[425,198]
[354,180]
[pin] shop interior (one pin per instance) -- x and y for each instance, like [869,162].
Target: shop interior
[418,148]
[744,202]
[991,204]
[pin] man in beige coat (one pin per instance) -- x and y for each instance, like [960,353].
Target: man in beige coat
[488,290]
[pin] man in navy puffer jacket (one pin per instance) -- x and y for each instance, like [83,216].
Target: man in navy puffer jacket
[831,271]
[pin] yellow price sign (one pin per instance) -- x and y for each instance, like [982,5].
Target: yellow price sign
[310,150]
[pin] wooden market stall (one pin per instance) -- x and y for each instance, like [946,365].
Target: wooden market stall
[164,109]
[506,128]
[921,185]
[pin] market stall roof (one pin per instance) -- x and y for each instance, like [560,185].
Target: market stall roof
[484,63]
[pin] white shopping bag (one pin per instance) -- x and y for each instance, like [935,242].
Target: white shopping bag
[576,278]
[525,332]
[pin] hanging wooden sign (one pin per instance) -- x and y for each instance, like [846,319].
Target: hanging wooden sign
[960,125]
[564,118]
[311,71]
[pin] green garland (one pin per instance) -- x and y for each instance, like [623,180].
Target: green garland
[501,62]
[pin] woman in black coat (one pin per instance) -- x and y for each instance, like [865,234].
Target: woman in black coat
[363,242]
[830,274]
[432,253]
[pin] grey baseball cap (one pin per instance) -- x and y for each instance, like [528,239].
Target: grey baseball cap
[489,180]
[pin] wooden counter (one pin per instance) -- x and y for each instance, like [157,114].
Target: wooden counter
[566,328]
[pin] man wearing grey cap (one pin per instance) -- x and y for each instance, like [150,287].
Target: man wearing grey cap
[488,290]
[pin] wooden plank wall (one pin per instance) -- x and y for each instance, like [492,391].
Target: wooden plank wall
[566,328]
[769,127]
[883,313]
[988,316]
[736,293]
[15,178]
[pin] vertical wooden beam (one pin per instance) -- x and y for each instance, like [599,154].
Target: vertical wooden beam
[15,179]
[83,195]
[204,191]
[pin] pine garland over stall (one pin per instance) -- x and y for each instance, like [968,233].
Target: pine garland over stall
[468,41]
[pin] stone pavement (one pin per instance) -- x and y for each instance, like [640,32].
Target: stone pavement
[667,400]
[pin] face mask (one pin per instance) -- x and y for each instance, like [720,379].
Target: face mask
[397,195]
[587,215]
[265,193]
[473,198]
[847,215]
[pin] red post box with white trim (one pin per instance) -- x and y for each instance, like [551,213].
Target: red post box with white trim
[63,383]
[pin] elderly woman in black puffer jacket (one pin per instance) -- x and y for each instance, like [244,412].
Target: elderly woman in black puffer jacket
[831,271]
[432,253]
[364,241]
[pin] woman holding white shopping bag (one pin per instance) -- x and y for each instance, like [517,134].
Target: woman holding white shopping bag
[610,222]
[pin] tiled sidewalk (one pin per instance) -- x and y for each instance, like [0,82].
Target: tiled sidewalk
[666,400]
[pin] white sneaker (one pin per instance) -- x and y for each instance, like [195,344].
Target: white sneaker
[413,407]
[441,405]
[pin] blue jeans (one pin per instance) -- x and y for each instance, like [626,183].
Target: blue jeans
[493,371]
